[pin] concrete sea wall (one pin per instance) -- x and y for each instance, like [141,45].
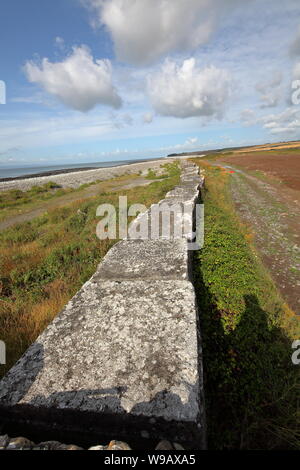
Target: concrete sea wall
[124,356]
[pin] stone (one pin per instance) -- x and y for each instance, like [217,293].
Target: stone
[124,356]
[164,445]
[140,227]
[178,446]
[118,445]
[164,221]
[55,445]
[19,443]
[98,448]
[183,194]
[145,259]
[4,440]
[117,347]
[48,445]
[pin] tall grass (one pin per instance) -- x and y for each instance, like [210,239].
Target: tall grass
[45,261]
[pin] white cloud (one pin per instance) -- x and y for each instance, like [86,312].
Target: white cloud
[286,122]
[79,82]
[59,42]
[148,118]
[145,30]
[191,141]
[186,90]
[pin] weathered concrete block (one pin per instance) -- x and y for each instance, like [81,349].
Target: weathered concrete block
[183,193]
[145,259]
[189,179]
[170,219]
[124,356]
[191,171]
[123,350]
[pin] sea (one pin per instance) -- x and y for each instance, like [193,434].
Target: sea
[14,171]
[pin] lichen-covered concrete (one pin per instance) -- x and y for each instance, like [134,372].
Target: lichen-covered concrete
[146,259]
[117,346]
[124,356]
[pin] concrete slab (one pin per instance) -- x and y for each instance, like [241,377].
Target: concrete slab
[145,259]
[126,350]
[186,194]
[170,219]
[124,356]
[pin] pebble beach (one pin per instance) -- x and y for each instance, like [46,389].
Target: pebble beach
[74,179]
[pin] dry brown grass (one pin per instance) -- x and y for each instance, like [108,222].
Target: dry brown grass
[44,262]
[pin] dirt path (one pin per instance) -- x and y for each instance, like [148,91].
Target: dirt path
[272,213]
[92,191]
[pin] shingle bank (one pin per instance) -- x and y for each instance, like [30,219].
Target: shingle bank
[123,358]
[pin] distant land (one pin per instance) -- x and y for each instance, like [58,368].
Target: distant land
[250,148]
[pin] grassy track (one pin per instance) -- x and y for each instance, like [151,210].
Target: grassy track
[45,261]
[252,387]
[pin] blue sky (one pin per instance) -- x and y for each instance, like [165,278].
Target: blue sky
[98,80]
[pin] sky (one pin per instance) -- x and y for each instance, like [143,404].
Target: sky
[101,80]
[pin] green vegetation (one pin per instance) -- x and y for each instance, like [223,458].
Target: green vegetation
[14,202]
[252,388]
[152,175]
[45,261]
[16,197]
[218,155]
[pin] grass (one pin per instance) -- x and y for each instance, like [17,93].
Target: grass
[15,201]
[252,388]
[152,175]
[16,197]
[44,262]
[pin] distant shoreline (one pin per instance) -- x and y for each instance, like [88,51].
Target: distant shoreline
[75,177]
[61,171]
[47,173]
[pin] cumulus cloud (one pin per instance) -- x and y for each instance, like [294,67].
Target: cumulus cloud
[286,122]
[185,90]
[145,30]
[79,82]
